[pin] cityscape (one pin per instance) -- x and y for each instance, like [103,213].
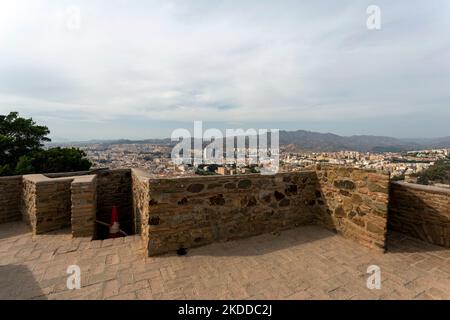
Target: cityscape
[156,158]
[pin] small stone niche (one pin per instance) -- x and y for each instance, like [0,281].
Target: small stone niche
[102,227]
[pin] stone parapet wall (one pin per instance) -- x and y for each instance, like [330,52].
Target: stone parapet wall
[49,202]
[141,198]
[355,203]
[46,202]
[53,204]
[420,211]
[189,212]
[193,211]
[10,198]
[28,202]
[84,205]
[170,213]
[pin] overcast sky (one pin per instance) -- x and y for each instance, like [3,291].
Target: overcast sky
[139,69]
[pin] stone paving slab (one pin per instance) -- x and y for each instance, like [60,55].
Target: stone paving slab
[304,263]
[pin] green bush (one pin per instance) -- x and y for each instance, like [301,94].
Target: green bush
[53,160]
[398,178]
[439,172]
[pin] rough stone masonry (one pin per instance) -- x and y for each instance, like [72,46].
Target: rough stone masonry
[174,213]
[187,212]
[420,211]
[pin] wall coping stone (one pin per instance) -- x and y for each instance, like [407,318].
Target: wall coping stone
[6,178]
[234,176]
[325,166]
[420,187]
[84,179]
[142,174]
[40,178]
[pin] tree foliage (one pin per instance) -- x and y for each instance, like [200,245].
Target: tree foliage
[398,178]
[439,172]
[19,136]
[21,152]
[53,160]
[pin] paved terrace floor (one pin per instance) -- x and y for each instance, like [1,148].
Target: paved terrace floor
[303,263]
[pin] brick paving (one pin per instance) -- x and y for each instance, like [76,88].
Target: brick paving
[304,263]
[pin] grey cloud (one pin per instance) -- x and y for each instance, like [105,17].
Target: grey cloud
[219,60]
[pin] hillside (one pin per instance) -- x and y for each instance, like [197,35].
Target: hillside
[314,141]
[302,140]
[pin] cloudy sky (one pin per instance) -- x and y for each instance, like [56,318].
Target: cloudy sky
[139,69]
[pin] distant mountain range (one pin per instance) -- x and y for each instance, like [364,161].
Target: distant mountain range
[314,141]
[302,140]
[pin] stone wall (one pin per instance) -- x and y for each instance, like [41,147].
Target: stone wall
[420,211]
[84,206]
[114,189]
[171,213]
[354,203]
[189,212]
[49,204]
[141,198]
[10,198]
[193,211]
[68,174]
[28,202]
[46,204]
